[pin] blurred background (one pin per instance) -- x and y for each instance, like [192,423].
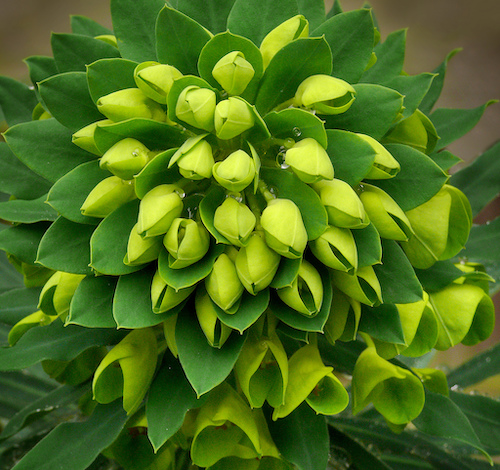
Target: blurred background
[435,28]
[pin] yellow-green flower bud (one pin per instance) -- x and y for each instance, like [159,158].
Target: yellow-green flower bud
[108,195]
[305,295]
[194,159]
[362,286]
[325,94]
[157,210]
[233,117]
[342,204]
[233,72]
[256,264]
[284,228]
[279,37]
[155,80]
[235,172]
[385,214]
[385,165]
[84,138]
[125,159]
[141,250]
[336,249]
[130,103]
[309,161]
[165,297]
[57,293]
[235,221]
[196,107]
[223,284]
[37,318]
[187,241]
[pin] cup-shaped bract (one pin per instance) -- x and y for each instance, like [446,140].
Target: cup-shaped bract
[141,250]
[325,94]
[235,221]
[195,162]
[233,116]
[309,161]
[158,209]
[233,72]
[196,106]
[84,137]
[165,297]
[126,158]
[187,241]
[362,285]
[385,165]
[155,80]
[37,318]
[343,321]
[56,295]
[284,228]
[235,172]
[108,195]
[130,103]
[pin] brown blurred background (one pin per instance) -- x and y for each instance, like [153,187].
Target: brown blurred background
[435,27]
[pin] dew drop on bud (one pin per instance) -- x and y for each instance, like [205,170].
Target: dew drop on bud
[297,132]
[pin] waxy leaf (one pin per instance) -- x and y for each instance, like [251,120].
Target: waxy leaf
[22,240]
[27,212]
[438,276]
[17,303]
[383,323]
[208,205]
[212,14]
[314,11]
[88,27]
[41,67]
[368,244]
[17,101]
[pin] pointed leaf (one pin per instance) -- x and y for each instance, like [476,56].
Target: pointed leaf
[41,67]
[16,101]
[22,240]
[28,212]
[88,27]
[314,11]
[368,244]
[382,323]
[15,304]
[212,14]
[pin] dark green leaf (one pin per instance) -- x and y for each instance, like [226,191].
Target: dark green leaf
[373,112]
[28,212]
[314,11]
[22,240]
[253,19]
[17,303]
[134,27]
[41,67]
[40,145]
[208,205]
[382,323]
[83,441]
[73,52]
[92,303]
[481,240]
[88,27]
[66,247]
[287,272]
[289,68]
[172,47]
[302,438]
[368,245]
[192,345]
[438,276]
[445,159]
[16,101]
[350,36]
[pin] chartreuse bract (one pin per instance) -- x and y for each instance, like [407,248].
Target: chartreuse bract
[239,218]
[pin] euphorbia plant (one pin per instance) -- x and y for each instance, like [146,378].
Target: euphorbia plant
[237,219]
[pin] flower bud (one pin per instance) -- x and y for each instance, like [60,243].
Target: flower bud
[141,250]
[125,159]
[108,39]
[130,103]
[155,80]
[233,117]
[233,72]
[235,172]
[284,228]
[256,264]
[342,204]
[157,210]
[196,107]
[165,297]
[309,161]
[194,159]
[84,138]
[279,37]
[325,94]
[108,195]
[385,165]
[235,221]
[362,286]
[336,249]
[387,217]
[187,241]
[223,284]
[57,293]
[37,318]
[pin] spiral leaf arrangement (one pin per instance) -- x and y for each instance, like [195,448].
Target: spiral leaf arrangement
[214,206]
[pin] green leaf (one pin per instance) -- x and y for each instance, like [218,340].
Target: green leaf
[481,239]
[441,417]
[451,124]
[17,303]
[16,101]
[65,247]
[479,180]
[73,52]
[302,438]
[417,182]
[165,418]
[314,11]
[22,240]
[108,245]
[56,342]
[134,27]
[382,323]
[106,76]
[288,186]
[192,345]
[67,98]
[40,144]
[172,30]
[289,68]
[350,36]
[208,205]
[368,244]
[373,112]
[83,441]
[92,303]
[69,193]
[41,67]
[287,272]
[445,159]
[253,19]
[10,278]
[88,27]
[28,212]
[438,276]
